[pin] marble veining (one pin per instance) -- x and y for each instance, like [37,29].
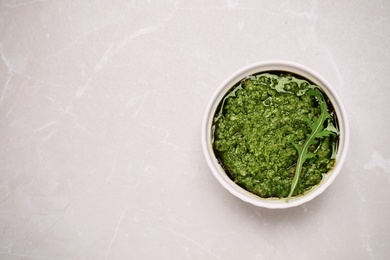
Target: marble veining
[377,160]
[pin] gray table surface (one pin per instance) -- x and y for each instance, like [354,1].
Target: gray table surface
[101,104]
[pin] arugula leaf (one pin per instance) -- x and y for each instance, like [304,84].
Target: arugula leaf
[331,127]
[280,84]
[317,131]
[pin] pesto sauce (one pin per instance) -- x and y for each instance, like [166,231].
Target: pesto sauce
[255,127]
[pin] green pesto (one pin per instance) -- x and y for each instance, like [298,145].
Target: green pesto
[258,124]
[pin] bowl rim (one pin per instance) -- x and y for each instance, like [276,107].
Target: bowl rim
[263,66]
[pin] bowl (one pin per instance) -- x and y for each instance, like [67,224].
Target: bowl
[207,134]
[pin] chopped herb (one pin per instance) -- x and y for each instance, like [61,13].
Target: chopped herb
[275,135]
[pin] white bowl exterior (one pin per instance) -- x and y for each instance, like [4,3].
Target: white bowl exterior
[216,168]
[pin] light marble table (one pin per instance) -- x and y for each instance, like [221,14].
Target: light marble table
[101,104]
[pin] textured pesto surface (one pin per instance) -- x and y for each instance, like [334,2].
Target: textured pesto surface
[255,128]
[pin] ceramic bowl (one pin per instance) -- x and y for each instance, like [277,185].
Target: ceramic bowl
[256,68]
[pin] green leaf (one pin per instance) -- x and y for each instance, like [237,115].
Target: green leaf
[299,149]
[309,156]
[332,128]
[280,84]
[317,131]
[323,133]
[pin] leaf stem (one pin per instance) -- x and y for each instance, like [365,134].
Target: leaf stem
[317,131]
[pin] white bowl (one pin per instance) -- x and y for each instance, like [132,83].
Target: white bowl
[218,171]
